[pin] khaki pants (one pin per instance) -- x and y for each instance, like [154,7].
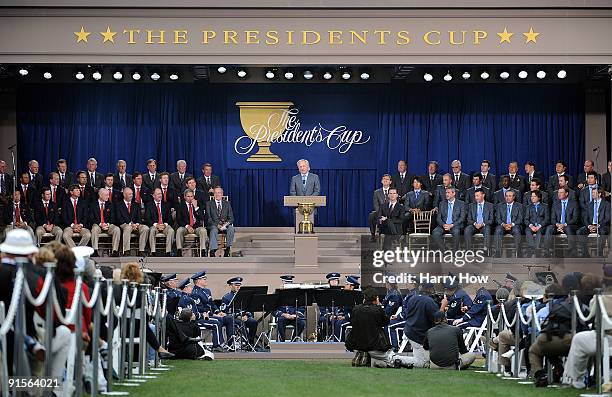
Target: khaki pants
[126,231]
[505,340]
[112,231]
[181,232]
[556,347]
[581,353]
[56,231]
[168,232]
[85,237]
[420,356]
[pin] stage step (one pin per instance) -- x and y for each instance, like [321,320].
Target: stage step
[285,244]
[250,251]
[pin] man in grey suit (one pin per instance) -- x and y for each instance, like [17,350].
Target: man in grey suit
[417,200]
[305,183]
[537,218]
[509,218]
[564,218]
[379,198]
[596,220]
[451,217]
[480,219]
[219,217]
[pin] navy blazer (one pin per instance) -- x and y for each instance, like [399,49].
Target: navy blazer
[60,196]
[488,213]
[527,198]
[553,181]
[182,215]
[151,215]
[516,216]
[52,216]
[469,196]
[572,213]
[423,202]
[603,214]
[490,181]
[68,212]
[428,184]
[122,216]
[541,216]
[94,213]
[458,213]
[24,212]
[500,197]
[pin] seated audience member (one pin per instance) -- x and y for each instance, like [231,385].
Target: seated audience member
[368,337]
[446,346]
[379,198]
[564,218]
[75,216]
[102,221]
[287,315]
[532,174]
[480,219]
[461,180]
[142,195]
[432,178]
[500,195]
[390,216]
[36,180]
[477,184]
[47,217]
[402,180]
[585,194]
[417,200]
[563,183]
[207,182]
[127,217]
[158,219]
[219,218]
[122,179]
[517,182]
[509,218]
[58,193]
[66,177]
[535,184]
[450,217]
[537,219]
[190,220]
[178,179]
[114,195]
[439,194]
[87,192]
[582,180]
[419,315]
[488,178]
[477,313]
[17,214]
[28,193]
[560,169]
[596,220]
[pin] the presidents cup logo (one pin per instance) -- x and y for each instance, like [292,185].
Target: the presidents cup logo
[265,123]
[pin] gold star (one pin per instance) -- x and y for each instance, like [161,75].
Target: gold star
[504,36]
[108,35]
[530,36]
[82,35]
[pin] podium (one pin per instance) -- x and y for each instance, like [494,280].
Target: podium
[306,244]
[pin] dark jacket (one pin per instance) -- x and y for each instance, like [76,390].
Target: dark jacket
[367,334]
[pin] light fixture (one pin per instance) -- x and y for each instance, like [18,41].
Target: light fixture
[136,76]
[96,75]
[308,75]
[47,75]
[174,77]
[504,75]
[23,71]
[155,76]
[117,75]
[364,76]
[562,74]
[79,75]
[346,75]
[466,75]
[427,77]
[241,73]
[522,74]
[221,69]
[269,74]
[448,77]
[541,74]
[288,75]
[327,76]
[484,75]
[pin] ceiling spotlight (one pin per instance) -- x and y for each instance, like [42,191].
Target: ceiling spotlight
[96,75]
[155,76]
[47,75]
[562,74]
[289,75]
[136,76]
[327,76]
[466,75]
[308,75]
[346,75]
[448,77]
[221,69]
[427,77]
[522,74]
[23,72]
[174,77]
[117,75]
[364,76]
[269,74]
[484,75]
[241,73]
[541,74]
[504,75]
[79,75]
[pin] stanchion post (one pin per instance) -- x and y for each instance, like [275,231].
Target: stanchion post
[109,340]
[517,340]
[50,266]
[574,313]
[95,349]
[598,342]
[157,322]
[133,287]
[142,345]
[500,327]
[489,334]
[122,336]
[78,334]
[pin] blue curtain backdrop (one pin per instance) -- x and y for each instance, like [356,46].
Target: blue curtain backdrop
[418,122]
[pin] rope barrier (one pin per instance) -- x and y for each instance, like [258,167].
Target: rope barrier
[71,313]
[121,308]
[581,315]
[94,297]
[42,296]
[12,310]
[505,316]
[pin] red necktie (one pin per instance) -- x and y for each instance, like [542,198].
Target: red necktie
[164,195]
[102,213]
[129,206]
[191,222]
[25,194]
[17,214]
[110,195]
[138,195]
[159,215]
[74,206]
[53,197]
[47,213]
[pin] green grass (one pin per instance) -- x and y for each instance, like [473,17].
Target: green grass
[334,378]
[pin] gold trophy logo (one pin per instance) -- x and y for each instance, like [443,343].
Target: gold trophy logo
[264,122]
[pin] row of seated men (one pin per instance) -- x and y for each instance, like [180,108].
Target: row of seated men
[79,210]
[537,219]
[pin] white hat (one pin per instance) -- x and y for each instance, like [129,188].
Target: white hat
[18,242]
[81,253]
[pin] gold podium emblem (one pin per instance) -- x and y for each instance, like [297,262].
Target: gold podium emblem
[264,122]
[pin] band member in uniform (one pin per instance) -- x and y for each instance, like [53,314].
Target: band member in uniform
[287,315]
[240,316]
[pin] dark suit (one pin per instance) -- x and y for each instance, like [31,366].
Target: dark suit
[51,216]
[87,193]
[177,184]
[170,197]
[490,181]
[439,195]
[553,181]
[403,186]
[585,197]
[517,183]
[463,183]
[149,183]
[571,195]
[199,225]
[36,180]
[118,183]
[378,199]
[29,194]
[603,225]
[123,217]
[125,220]
[458,219]
[145,195]
[82,218]
[8,185]
[527,198]
[469,194]
[152,217]
[572,217]
[68,180]
[582,177]
[533,217]
[606,183]
[205,186]
[536,175]
[213,218]
[395,218]
[488,219]
[98,182]
[114,195]
[430,185]
[516,218]
[500,196]
[94,217]
[422,202]
[59,197]
[24,213]
[95,220]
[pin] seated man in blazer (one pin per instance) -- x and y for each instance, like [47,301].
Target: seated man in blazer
[17,215]
[488,178]
[114,195]
[304,183]
[417,200]
[433,178]
[178,179]
[451,217]
[606,181]
[207,182]
[582,178]
[509,218]
[159,218]
[500,195]
[66,177]
[480,219]
[517,182]
[58,193]
[530,175]
[86,191]
[142,195]
[535,184]
[563,182]
[461,180]
[190,220]
[102,220]
[402,180]
[537,218]
[476,185]
[379,198]
[219,217]
[75,217]
[564,218]
[439,194]
[585,196]
[46,215]
[560,169]
[596,220]
[390,215]
[199,195]
[121,178]
[128,219]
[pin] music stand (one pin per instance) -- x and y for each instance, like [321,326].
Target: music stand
[241,299]
[266,304]
[296,297]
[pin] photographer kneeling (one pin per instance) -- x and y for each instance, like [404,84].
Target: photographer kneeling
[368,335]
[446,346]
[184,338]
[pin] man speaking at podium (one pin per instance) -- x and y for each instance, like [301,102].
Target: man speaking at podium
[304,183]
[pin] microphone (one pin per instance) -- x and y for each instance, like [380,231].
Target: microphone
[595,149]
[12,147]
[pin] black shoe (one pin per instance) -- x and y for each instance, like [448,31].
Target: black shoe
[226,253]
[165,355]
[373,238]
[115,254]
[212,253]
[357,359]
[95,254]
[540,378]
[397,363]
[179,253]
